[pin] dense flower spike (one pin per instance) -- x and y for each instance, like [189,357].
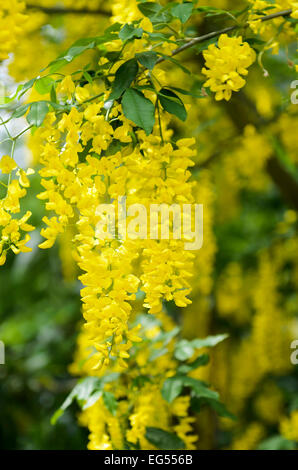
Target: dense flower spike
[140,403]
[226,64]
[71,186]
[12,21]
[14,234]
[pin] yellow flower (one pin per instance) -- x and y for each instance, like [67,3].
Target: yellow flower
[226,64]
[66,87]
[289,427]
[7,164]
[82,94]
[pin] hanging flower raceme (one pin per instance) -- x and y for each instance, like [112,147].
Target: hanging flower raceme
[226,64]
[123,406]
[89,160]
[13,231]
[271,31]
[289,426]
[12,19]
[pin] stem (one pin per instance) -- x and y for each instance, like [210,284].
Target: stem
[63,11]
[159,121]
[5,140]
[214,34]
[5,127]
[92,98]
[23,132]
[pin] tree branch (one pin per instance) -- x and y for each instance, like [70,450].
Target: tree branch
[64,11]
[214,34]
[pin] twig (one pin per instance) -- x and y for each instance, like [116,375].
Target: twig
[214,34]
[64,11]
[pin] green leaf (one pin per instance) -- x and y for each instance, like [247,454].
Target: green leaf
[27,86]
[277,443]
[148,59]
[53,95]
[154,12]
[219,407]
[140,381]
[164,440]
[138,109]
[21,110]
[129,32]
[93,398]
[158,353]
[184,350]
[199,388]
[186,92]
[200,361]
[56,416]
[172,103]
[87,76]
[209,342]
[149,9]
[75,50]
[37,113]
[86,392]
[165,37]
[172,388]
[8,99]
[110,402]
[124,77]
[166,337]
[176,62]
[182,11]
[212,11]
[44,85]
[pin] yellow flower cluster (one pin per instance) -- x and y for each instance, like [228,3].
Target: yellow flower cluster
[232,298]
[289,427]
[226,63]
[151,171]
[250,438]
[269,403]
[138,393]
[246,368]
[270,30]
[12,19]
[260,8]
[246,164]
[13,234]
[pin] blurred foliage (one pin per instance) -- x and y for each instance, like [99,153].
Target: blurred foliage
[39,315]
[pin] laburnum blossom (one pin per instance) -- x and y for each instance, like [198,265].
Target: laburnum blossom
[261,8]
[7,164]
[289,426]
[138,406]
[13,231]
[66,87]
[271,31]
[152,170]
[226,64]
[12,19]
